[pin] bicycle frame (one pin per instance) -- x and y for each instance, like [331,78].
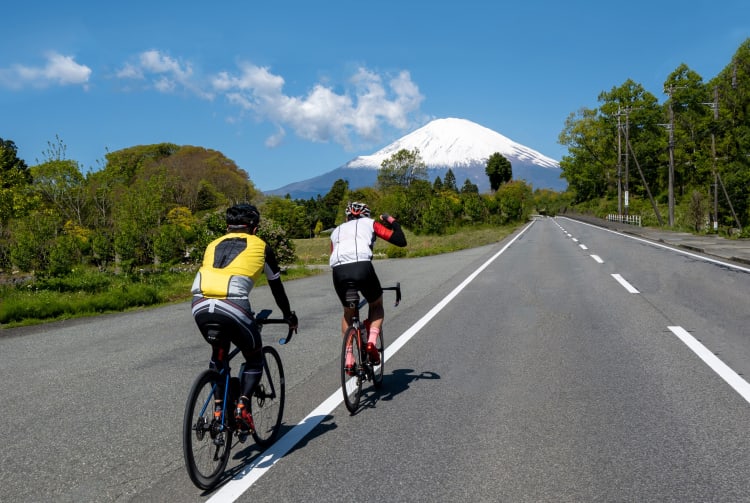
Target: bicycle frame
[261,319]
[362,367]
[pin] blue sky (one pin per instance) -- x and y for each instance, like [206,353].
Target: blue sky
[293,89]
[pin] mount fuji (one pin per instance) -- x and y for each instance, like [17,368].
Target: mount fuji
[457,144]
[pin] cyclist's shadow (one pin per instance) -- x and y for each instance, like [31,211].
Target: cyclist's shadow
[394,384]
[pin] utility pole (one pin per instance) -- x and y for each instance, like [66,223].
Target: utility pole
[715,106]
[670,127]
[619,163]
[671,158]
[627,157]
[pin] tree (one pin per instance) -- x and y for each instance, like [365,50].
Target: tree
[401,169]
[60,186]
[498,170]
[469,188]
[514,201]
[450,181]
[14,177]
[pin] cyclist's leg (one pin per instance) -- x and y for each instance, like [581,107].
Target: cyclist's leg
[247,337]
[343,276]
[373,292]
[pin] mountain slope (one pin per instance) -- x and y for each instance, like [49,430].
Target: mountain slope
[457,144]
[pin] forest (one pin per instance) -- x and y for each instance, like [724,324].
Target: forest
[681,164]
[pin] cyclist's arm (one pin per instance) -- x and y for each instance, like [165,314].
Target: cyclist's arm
[392,234]
[273,274]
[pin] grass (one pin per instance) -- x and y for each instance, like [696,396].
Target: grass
[90,293]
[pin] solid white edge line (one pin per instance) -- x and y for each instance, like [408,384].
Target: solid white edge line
[241,482]
[730,376]
[659,245]
[630,288]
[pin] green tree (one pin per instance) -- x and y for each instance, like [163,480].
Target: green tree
[450,181]
[514,201]
[469,188]
[14,178]
[402,169]
[60,185]
[498,170]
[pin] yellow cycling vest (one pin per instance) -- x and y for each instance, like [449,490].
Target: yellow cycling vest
[231,266]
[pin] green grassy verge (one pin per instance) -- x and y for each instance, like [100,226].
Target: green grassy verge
[90,293]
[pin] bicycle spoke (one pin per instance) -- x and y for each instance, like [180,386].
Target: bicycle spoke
[267,404]
[206,443]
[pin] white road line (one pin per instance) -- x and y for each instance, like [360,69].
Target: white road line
[597,258]
[730,376]
[575,240]
[583,246]
[255,470]
[659,245]
[625,284]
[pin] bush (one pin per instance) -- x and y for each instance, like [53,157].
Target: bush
[396,252]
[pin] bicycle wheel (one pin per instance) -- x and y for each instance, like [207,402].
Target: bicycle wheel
[206,444]
[377,370]
[267,404]
[351,385]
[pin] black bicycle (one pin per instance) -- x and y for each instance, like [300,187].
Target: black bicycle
[208,429]
[357,366]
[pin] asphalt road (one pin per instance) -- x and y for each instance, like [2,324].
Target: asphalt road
[563,364]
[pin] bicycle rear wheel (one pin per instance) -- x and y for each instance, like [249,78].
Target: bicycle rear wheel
[205,442]
[377,370]
[351,380]
[267,404]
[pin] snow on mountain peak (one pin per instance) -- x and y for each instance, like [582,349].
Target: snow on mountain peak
[455,143]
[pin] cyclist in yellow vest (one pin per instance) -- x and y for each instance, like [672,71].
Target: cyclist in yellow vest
[221,290]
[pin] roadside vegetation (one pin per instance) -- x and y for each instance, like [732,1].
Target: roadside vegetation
[90,292]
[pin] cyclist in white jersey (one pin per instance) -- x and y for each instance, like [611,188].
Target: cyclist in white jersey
[351,262]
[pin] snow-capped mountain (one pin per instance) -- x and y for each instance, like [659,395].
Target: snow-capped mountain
[457,144]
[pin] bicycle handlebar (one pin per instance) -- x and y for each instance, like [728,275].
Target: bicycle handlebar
[262,319]
[397,288]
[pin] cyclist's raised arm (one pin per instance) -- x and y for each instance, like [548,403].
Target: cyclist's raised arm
[391,232]
[273,274]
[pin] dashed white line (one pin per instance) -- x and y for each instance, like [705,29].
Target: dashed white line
[583,246]
[630,288]
[597,258]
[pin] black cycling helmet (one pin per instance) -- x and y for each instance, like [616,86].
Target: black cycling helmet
[356,209]
[242,216]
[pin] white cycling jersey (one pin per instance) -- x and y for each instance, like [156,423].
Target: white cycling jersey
[352,241]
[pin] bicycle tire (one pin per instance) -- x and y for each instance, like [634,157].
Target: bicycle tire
[377,370]
[205,444]
[267,403]
[352,385]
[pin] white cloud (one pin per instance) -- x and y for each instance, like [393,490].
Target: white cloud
[58,70]
[369,103]
[323,115]
[163,72]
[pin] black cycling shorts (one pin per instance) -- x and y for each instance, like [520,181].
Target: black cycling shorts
[362,275]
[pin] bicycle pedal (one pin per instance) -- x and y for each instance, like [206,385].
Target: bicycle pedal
[242,436]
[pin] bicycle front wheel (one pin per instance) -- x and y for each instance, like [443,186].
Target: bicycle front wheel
[267,404]
[205,441]
[352,372]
